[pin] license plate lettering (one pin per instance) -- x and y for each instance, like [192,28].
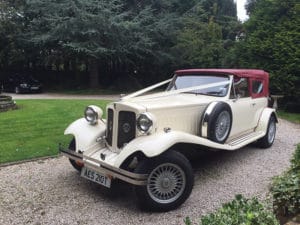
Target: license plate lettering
[100,178]
[89,174]
[96,177]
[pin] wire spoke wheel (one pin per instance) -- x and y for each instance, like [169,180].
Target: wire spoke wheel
[222,125]
[216,122]
[166,183]
[169,183]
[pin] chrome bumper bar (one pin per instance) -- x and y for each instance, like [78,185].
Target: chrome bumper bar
[106,169]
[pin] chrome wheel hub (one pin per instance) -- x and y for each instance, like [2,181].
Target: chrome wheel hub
[166,183]
[222,125]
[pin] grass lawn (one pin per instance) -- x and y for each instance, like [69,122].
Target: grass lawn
[36,128]
[293,117]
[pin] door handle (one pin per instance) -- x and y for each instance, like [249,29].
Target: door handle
[253,104]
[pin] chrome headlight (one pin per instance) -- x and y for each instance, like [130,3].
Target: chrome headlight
[144,123]
[92,113]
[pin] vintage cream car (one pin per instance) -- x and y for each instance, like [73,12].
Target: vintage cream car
[147,136]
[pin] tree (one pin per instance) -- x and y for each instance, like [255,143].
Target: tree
[209,31]
[11,53]
[108,34]
[91,30]
[271,42]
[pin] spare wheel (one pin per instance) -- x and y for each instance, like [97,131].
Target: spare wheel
[216,122]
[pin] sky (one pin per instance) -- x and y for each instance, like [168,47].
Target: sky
[241,12]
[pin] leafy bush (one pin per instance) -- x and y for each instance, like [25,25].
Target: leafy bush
[293,107]
[286,189]
[240,211]
[295,167]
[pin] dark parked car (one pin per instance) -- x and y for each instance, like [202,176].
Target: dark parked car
[21,84]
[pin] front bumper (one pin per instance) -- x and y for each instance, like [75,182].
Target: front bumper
[105,169]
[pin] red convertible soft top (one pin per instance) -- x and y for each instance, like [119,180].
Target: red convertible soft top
[254,73]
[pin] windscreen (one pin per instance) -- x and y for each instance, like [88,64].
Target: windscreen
[188,81]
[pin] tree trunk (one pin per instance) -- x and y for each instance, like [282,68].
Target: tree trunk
[93,73]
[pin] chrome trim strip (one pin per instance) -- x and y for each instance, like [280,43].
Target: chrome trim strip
[205,119]
[71,154]
[117,170]
[106,169]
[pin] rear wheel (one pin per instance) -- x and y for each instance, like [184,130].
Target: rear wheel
[268,139]
[76,164]
[169,184]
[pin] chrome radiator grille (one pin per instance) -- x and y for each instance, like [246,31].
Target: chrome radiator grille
[125,130]
[126,127]
[110,126]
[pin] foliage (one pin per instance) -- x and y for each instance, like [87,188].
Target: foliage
[286,188]
[240,211]
[109,35]
[10,28]
[187,221]
[200,44]
[112,39]
[37,127]
[271,42]
[209,30]
[292,117]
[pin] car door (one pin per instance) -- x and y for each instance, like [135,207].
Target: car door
[243,108]
[259,97]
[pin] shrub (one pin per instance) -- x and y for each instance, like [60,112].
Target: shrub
[239,211]
[293,107]
[286,189]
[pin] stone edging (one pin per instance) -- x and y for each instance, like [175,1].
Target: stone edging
[29,160]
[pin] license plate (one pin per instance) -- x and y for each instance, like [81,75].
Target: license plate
[96,177]
[34,88]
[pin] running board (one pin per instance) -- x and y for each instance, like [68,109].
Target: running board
[246,139]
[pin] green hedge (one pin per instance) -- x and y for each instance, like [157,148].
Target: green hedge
[240,211]
[286,189]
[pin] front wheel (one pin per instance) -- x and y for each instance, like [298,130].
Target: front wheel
[169,184]
[268,139]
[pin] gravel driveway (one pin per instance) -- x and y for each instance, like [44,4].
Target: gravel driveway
[51,191]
